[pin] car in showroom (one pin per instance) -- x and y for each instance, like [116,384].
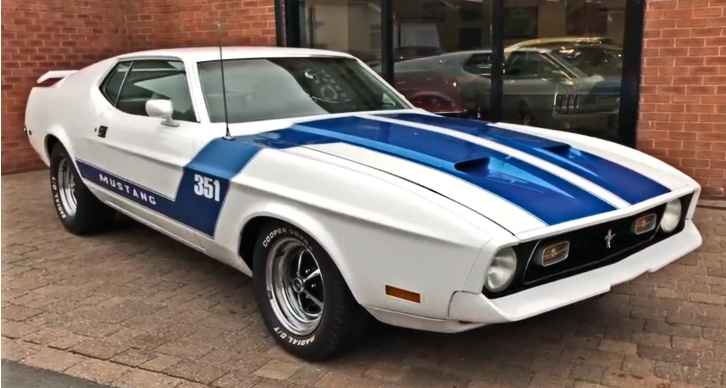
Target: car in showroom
[570,86]
[542,87]
[469,70]
[346,204]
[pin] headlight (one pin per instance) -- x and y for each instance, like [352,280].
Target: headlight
[672,216]
[501,270]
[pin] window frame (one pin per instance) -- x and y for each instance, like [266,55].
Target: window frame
[107,79]
[188,70]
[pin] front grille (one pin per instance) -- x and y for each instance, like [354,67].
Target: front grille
[568,103]
[588,249]
[589,246]
[579,103]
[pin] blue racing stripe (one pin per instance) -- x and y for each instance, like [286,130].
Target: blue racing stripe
[619,180]
[544,195]
[205,180]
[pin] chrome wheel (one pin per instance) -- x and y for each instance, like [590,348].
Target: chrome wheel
[66,187]
[294,286]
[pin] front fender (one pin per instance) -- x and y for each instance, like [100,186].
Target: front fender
[379,230]
[302,220]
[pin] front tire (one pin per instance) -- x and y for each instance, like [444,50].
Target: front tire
[302,297]
[80,212]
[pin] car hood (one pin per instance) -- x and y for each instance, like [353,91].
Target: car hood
[521,181]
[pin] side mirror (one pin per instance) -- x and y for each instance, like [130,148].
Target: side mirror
[162,109]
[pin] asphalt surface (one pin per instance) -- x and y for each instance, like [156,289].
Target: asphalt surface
[20,376]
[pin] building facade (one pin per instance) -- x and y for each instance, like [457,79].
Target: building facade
[649,75]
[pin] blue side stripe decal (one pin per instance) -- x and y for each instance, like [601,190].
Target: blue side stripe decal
[202,190]
[544,195]
[218,161]
[619,180]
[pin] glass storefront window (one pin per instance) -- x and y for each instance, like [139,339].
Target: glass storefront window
[563,64]
[442,55]
[351,26]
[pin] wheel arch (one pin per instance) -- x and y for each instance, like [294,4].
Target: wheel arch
[56,135]
[248,236]
[50,142]
[252,225]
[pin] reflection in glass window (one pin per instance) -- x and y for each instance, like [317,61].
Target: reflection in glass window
[442,54]
[563,64]
[593,59]
[352,26]
[276,88]
[479,64]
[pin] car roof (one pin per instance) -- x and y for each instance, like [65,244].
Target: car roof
[487,51]
[564,39]
[568,45]
[202,54]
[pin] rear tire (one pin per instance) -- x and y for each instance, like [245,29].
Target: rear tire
[80,212]
[316,318]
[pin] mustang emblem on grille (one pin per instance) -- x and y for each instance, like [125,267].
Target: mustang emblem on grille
[609,238]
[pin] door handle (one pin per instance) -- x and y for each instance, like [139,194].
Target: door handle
[101,131]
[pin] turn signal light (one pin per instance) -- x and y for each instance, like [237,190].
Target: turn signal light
[403,294]
[554,253]
[645,224]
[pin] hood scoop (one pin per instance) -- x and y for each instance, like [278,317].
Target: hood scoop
[478,166]
[560,149]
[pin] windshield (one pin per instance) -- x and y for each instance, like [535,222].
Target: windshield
[277,88]
[593,60]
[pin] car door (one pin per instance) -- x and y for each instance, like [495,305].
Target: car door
[138,161]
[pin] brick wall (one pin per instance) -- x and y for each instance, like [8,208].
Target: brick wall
[42,35]
[168,23]
[683,90]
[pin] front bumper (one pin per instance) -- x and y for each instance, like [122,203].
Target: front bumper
[470,307]
[471,310]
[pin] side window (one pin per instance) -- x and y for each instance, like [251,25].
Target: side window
[112,84]
[516,63]
[539,66]
[530,65]
[479,64]
[156,79]
[584,57]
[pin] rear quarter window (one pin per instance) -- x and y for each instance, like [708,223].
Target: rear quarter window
[112,84]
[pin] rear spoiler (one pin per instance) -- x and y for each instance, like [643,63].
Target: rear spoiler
[55,74]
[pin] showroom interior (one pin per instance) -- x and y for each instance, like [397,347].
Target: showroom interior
[560,64]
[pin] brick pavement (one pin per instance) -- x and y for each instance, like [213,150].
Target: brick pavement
[135,309]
